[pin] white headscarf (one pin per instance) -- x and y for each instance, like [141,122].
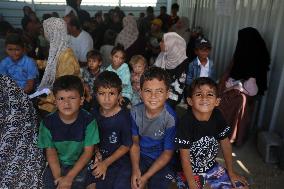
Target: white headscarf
[55,30]
[175,51]
[129,33]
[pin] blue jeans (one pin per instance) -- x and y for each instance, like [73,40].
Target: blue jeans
[79,181]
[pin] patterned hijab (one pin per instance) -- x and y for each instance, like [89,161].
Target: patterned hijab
[175,51]
[55,30]
[129,33]
[22,162]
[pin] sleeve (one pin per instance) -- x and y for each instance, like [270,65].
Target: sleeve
[170,134]
[44,137]
[223,130]
[189,74]
[126,138]
[32,70]
[92,134]
[125,76]
[182,138]
[3,69]
[134,128]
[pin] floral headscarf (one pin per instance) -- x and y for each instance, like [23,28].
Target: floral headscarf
[129,33]
[55,30]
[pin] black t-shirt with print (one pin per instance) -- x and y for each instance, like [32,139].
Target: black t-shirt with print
[201,138]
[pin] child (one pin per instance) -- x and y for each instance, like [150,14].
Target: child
[138,64]
[111,168]
[68,135]
[121,69]
[153,131]
[17,65]
[198,135]
[201,66]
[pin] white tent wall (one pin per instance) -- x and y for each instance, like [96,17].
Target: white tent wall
[12,10]
[221,27]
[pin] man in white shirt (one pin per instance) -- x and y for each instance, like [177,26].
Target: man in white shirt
[81,41]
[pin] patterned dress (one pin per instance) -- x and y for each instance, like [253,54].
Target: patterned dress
[21,162]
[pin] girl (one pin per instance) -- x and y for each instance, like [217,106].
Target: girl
[122,70]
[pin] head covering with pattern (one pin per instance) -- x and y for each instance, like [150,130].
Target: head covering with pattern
[55,30]
[129,33]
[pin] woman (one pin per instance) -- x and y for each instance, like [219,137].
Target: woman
[173,59]
[22,163]
[245,78]
[129,37]
[182,28]
[61,59]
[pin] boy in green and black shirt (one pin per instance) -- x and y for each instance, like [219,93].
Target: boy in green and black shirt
[68,135]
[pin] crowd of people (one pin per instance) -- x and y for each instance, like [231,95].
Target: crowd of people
[109,119]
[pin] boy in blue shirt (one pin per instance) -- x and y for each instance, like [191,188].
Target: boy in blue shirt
[68,136]
[199,133]
[201,66]
[111,168]
[17,65]
[153,131]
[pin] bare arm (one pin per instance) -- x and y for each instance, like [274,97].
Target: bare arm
[187,168]
[135,158]
[29,86]
[227,153]
[53,162]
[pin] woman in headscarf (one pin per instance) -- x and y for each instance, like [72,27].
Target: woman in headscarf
[21,162]
[173,59]
[129,37]
[245,78]
[182,28]
[61,59]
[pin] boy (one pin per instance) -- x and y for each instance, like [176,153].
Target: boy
[153,131]
[68,135]
[17,65]
[201,66]
[111,169]
[198,134]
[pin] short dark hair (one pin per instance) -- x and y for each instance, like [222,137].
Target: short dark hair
[108,79]
[118,47]
[156,73]
[94,54]
[198,83]
[68,82]
[74,21]
[175,6]
[14,39]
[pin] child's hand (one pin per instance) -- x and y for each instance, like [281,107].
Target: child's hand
[237,178]
[192,184]
[100,169]
[136,179]
[143,182]
[64,182]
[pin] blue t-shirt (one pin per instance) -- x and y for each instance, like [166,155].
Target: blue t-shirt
[114,132]
[155,135]
[20,71]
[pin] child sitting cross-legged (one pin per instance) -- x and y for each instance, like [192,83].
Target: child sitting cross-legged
[68,136]
[111,168]
[199,133]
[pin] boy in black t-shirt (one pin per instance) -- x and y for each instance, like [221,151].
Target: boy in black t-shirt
[198,135]
[111,168]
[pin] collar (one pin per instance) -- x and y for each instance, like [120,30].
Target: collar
[199,63]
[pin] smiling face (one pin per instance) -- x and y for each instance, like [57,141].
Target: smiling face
[68,103]
[154,94]
[203,101]
[15,52]
[108,98]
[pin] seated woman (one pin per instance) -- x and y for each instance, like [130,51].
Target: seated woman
[61,59]
[22,163]
[245,79]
